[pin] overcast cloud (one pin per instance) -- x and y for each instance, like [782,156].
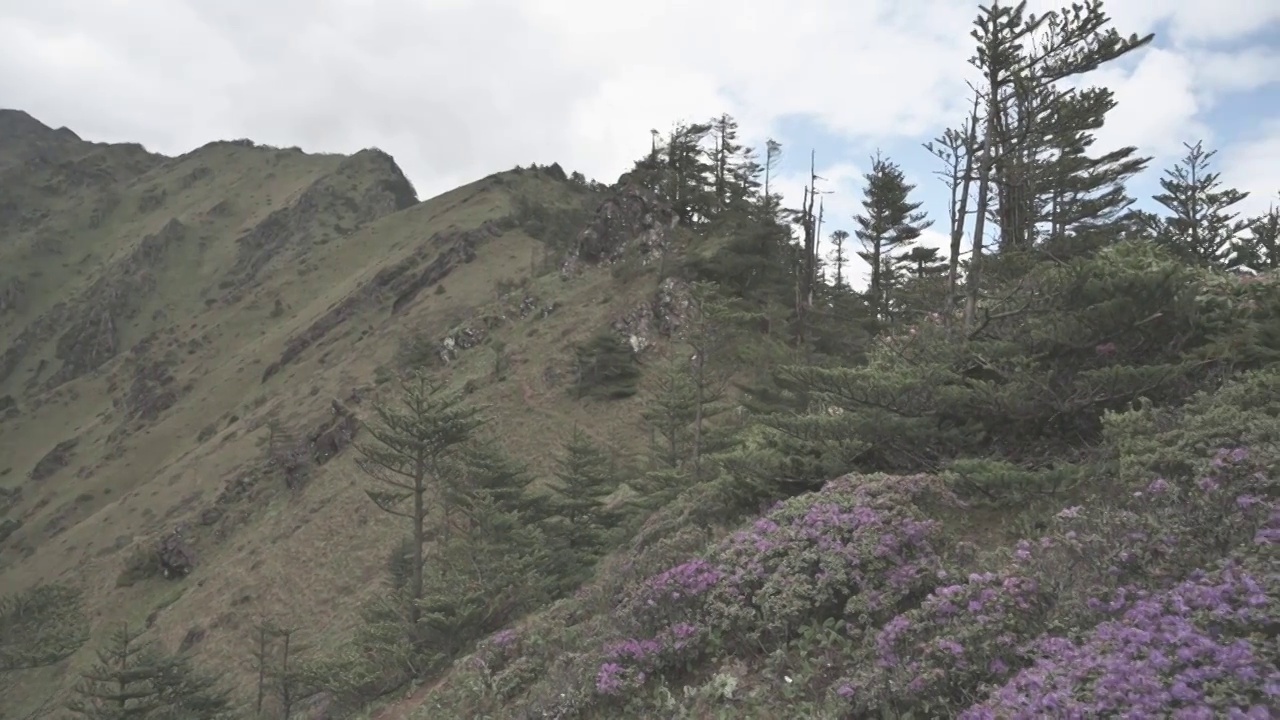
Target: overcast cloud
[457,89]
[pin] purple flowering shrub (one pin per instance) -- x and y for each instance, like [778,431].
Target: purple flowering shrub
[860,550]
[1205,649]
[1092,567]
[932,658]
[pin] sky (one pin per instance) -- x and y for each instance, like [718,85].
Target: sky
[459,89]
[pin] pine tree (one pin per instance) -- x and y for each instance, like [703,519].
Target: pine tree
[122,684]
[41,626]
[1259,251]
[584,481]
[724,132]
[1199,227]
[923,262]
[891,224]
[492,478]
[745,180]
[492,569]
[414,439]
[689,184]
[132,678]
[1079,200]
[186,693]
[839,258]
[710,334]
[261,663]
[669,412]
[274,661]
[923,286]
[1027,121]
[606,367]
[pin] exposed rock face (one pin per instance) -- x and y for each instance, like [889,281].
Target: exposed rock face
[13,354]
[334,436]
[11,295]
[661,316]
[401,283]
[92,338]
[633,217]
[54,460]
[151,392]
[464,339]
[381,189]
[177,559]
[8,526]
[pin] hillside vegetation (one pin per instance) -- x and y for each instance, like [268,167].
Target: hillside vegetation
[277,439]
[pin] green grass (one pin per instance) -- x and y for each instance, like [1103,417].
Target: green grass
[307,558]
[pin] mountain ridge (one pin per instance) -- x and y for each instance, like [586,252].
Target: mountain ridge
[157,317]
[703,479]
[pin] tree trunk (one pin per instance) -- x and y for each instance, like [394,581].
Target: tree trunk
[419,541]
[960,214]
[984,198]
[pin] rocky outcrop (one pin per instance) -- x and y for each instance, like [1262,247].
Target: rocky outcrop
[460,248]
[91,338]
[291,460]
[12,292]
[463,338]
[13,355]
[334,435]
[365,187]
[151,392]
[633,218]
[400,283]
[661,316]
[54,460]
[177,559]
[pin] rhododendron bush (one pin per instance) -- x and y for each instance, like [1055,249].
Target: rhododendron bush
[1154,594]
[861,549]
[1093,567]
[1205,649]
[931,632]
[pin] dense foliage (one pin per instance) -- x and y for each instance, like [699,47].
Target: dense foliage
[1040,479]
[1055,460]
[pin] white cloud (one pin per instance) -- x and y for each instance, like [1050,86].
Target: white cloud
[1219,72]
[1254,166]
[1156,106]
[460,88]
[1185,22]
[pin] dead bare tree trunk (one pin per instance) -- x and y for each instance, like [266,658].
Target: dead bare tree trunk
[960,212]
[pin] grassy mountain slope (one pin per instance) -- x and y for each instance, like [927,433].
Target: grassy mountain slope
[159,312]
[1069,507]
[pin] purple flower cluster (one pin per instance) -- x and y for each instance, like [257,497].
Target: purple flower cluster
[1093,568]
[504,638]
[1192,652]
[674,594]
[854,550]
[961,636]
[612,679]
[630,662]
